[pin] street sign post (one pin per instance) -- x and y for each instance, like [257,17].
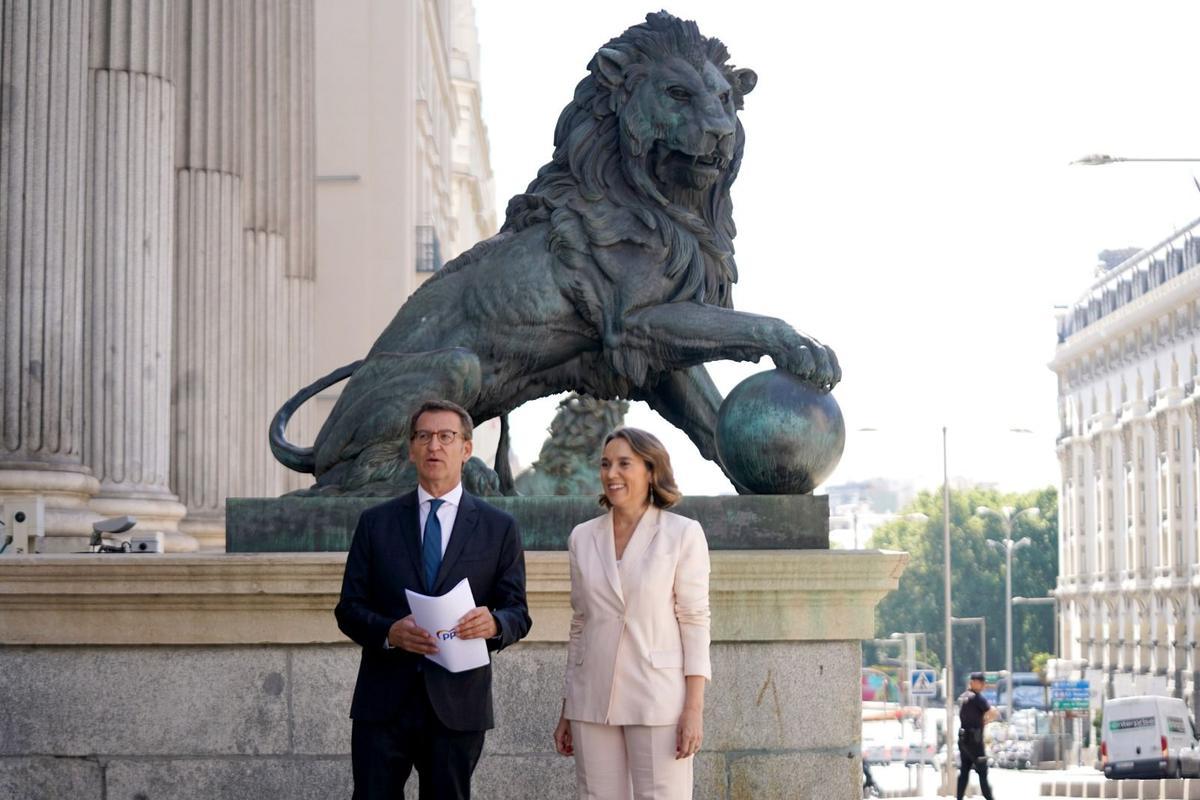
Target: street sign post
[1070,695]
[923,683]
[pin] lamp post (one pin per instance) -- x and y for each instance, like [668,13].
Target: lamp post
[948,786]
[982,623]
[910,657]
[1007,516]
[1100,159]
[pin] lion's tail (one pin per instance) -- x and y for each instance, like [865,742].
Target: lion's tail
[301,459]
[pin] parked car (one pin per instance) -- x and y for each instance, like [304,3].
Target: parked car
[877,752]
[1148,737]
[1028,692]
[920,753]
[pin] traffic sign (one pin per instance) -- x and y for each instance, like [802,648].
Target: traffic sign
[1070,695]
[923,683]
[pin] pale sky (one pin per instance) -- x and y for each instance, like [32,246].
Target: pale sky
[905,195]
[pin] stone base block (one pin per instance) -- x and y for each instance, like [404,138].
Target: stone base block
[271,721]
[295,778]
[45,778]
[315,524]
[224,676]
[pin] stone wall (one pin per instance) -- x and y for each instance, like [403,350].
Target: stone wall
[191,676]
[187,722]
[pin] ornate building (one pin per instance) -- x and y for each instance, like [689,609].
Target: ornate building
[162,250]
[1129,450]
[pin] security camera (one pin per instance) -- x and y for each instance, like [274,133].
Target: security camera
[24,525]
[112,525]
[147,543]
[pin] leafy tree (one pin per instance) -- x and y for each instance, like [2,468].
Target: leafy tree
[1038,664]
[977,574]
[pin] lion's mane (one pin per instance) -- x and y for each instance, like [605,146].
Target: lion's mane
[597,192]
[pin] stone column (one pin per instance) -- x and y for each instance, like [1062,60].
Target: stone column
[43,123]
[128,251]
[278,165]
[210,75]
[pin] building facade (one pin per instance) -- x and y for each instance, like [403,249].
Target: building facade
[404,181]
[169,273]
[1129,449]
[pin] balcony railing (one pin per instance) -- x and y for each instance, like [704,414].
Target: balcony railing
[1133,278]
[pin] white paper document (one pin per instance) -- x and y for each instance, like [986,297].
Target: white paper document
[439,615]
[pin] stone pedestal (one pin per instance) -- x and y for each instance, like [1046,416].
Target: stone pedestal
[238,681]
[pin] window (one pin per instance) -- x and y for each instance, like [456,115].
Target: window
[429,250]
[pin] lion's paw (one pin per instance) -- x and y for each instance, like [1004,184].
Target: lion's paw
[809,359]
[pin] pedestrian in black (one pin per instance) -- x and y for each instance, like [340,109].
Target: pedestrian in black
[974,712]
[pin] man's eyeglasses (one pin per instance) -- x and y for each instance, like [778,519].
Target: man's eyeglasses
[446,437]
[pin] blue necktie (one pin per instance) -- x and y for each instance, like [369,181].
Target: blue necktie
[431,545]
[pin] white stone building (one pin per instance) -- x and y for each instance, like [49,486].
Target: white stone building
[404,181]
[1129,450]
[167,279]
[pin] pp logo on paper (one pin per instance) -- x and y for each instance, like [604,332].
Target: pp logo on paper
[446,636]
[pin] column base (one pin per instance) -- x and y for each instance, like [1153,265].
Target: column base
[153,513]
[68,520]
[208,530]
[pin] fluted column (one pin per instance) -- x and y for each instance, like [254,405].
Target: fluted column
[43,123]
[129,256]
[278,203]
[209,337]
[301,277]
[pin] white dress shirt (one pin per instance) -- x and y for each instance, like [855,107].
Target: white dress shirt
[447,512]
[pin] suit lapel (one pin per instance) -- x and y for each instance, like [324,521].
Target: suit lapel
[410,532]
[464,526]
[643,535]
[606,550]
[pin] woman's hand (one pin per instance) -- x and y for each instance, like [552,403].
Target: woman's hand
[562,738]
[689,733]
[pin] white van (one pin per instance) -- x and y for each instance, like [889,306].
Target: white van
[1148,737]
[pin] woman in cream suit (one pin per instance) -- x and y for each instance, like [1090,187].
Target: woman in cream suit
[637,662]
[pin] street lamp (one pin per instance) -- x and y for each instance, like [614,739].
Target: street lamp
[946,788]
[949,775]
[910,656]
[1007,516]
[1099,159]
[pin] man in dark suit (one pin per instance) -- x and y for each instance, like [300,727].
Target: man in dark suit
[408,711]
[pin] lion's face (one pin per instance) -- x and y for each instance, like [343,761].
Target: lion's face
[680,117]
[688,118]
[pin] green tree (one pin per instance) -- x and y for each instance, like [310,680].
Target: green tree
[977,574]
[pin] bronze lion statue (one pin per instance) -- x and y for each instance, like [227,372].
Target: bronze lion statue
[612,277]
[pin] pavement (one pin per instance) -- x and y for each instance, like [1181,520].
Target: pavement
[1007,784]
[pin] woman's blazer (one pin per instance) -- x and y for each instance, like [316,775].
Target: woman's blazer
[638,628]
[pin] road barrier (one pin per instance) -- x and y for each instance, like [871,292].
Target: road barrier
[1162,789]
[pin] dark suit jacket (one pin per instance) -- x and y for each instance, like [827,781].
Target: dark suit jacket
[384,560]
